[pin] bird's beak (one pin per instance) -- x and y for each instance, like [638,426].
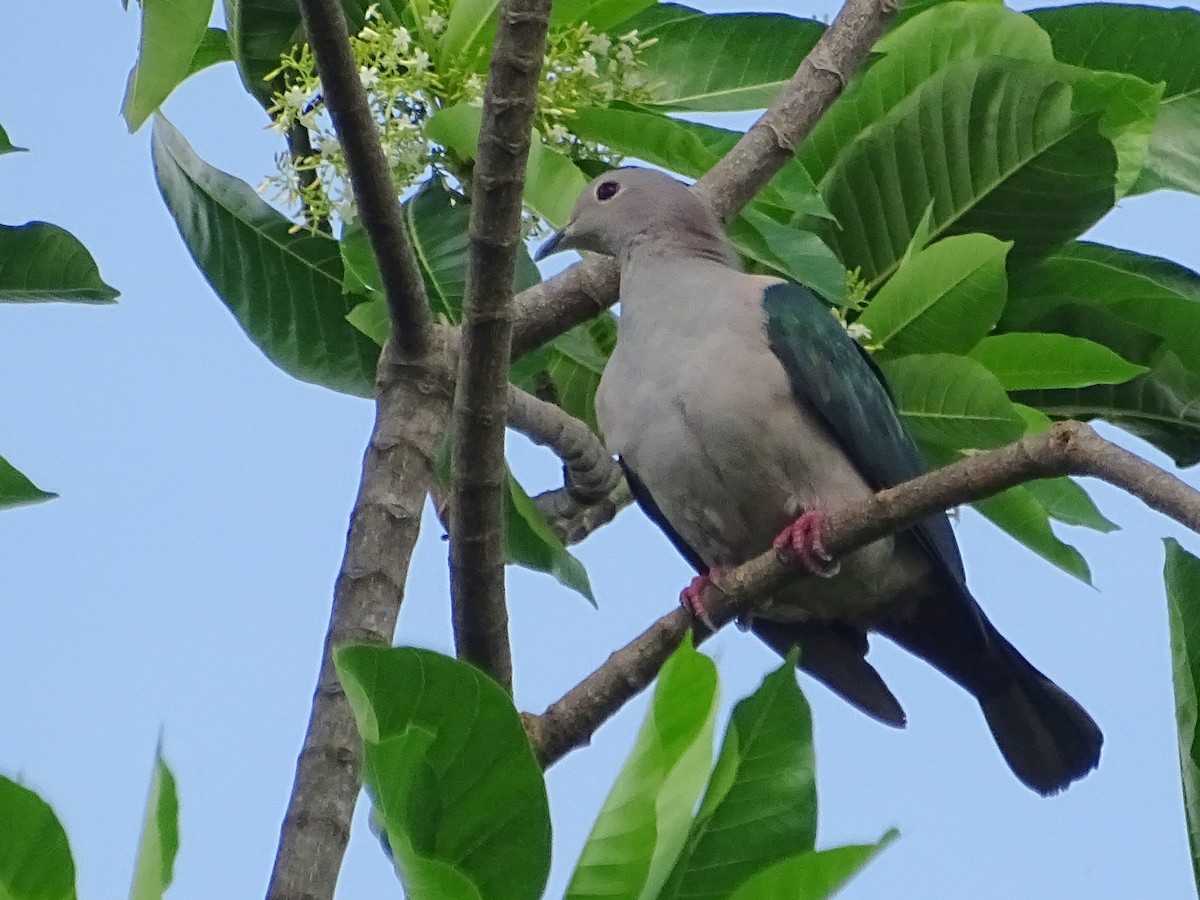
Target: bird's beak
[554,243]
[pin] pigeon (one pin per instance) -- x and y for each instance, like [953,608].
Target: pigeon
[741,411]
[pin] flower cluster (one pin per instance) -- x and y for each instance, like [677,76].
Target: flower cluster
[407,80]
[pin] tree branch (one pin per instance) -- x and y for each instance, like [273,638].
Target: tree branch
[370,178]
[572,521]
[548,309]
[477,549]
[1067,448]
[398,469]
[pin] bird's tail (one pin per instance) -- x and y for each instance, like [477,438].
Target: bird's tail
[1047,739]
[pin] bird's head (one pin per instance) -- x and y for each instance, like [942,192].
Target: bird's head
[624,207]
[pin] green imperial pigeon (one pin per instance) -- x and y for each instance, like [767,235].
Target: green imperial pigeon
[740,411]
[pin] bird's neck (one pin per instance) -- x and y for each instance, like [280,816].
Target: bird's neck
[680,243]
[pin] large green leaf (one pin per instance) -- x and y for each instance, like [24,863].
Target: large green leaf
[646,817]
[35,858]
[1155,45]
[1016,149]
[1029,361]
[1019,512]
[16,489]
[283,286]
[470,31]
[944,298]
[552,181]
[1152,294]
[911,54]
[602,15]
[451,771]
[1181,573]
[533,544]
[761,803]
[40,262]
[729,61]
[6,145]
[214,48]
[789,251]
[154,868]
[815,875]
[172,31]
[952,401]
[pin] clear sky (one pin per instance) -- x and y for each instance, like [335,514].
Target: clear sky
[182,581]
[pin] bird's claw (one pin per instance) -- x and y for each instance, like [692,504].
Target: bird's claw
[806,539]
[691,597]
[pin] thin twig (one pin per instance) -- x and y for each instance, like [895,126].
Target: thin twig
[1067,448]
[477,549]
[398,470]
[375,196]
[546,310]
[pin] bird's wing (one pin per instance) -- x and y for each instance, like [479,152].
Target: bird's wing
[837,379]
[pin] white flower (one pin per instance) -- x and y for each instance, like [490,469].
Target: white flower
[402,40]
[630,39]
[368,33]
[631,81]
[557,134]
[587,65]
[600,44]
[279,126]
[474,86]
[368,77]
[420,61]
[858,331]
[625,54]
[434,23]
[372,12]
[295,98]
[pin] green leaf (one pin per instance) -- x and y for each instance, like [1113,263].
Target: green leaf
[1066,290]
[17,490]
[40,262]
[1159,407]
[1065,500]
[172,31]
[1181,573]
[761,803]
[7,146]
[1018,512]
[470,31]
[552,181]
[911,54]
[691,149]
[214,48]
[35,858]
[154,868]
[951,401]
[601,15]
[646,817]
[712,63]
[789,251]
[978,140]
[911,8]
[816,875]
[533,544]
[283,286]
[451,771]
[1156,45]
[1024,361]
[944,298]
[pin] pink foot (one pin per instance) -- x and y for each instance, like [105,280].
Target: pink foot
[806,539]
[691,597]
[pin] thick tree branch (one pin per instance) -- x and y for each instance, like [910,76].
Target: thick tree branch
[477,550]
[374,194]
[1068,448]
[550,308]
[398,469]
[573,521]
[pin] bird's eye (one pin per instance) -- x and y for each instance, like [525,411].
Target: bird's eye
[606,190]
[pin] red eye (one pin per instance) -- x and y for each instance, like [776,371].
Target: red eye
[606,190]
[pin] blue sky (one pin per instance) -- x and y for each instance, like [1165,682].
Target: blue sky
[181,583]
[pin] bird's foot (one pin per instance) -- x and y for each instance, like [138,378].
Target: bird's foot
[691,597]
[806,539]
